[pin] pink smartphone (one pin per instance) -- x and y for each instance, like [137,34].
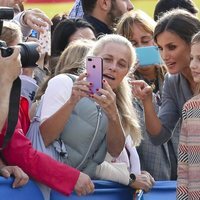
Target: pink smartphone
[94,67]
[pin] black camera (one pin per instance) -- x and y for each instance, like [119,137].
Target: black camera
[28,50]
[5,13]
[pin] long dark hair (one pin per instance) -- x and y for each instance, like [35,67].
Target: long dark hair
[63,31]
[180,22]
[163,6]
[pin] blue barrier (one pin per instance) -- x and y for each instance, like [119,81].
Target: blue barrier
[106,190]
[162,190]
[29,191]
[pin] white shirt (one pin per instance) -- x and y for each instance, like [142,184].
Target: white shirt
[56,95]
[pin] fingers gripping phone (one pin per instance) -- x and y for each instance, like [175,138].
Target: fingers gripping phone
[149,55]
[44,39]
[94,67]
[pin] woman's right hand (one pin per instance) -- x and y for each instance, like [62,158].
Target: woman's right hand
[141,90]
[80,89]
[84,185]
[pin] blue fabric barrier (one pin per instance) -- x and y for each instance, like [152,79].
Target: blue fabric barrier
[29,191]
[162,190]
[104,190]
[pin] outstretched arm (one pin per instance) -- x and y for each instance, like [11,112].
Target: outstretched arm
[143,91]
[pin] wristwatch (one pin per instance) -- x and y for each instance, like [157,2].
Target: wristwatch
[132,179]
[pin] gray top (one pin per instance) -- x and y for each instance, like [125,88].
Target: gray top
[176,91]
[84,136]
[153,158]
[160,158]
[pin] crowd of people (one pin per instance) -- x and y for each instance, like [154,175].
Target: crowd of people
[141,126]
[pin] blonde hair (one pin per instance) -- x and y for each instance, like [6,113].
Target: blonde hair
[125,25]
[125,28]
[10,32]
[72,60]
[123,93]
[196,40]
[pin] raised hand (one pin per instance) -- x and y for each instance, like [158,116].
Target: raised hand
[141,90]
[106,98]
[36,19]
[80,89]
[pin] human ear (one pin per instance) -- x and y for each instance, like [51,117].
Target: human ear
[105,4]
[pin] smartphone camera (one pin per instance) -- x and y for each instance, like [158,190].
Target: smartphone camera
[94,66]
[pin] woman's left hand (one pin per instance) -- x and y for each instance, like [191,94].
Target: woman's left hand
[21,178]
[106,98]
[143,181]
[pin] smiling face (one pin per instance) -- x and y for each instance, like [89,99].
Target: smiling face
[116,63]
[174,51]
[195,62]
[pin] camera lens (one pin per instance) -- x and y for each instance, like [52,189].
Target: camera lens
[93,66]
[5,52]
[29,54]
[6,13]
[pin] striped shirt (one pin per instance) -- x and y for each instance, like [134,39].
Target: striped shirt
[189,152]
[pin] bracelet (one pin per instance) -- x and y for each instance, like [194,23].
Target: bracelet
[132,179]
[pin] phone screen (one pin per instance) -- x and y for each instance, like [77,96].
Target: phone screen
[94,67]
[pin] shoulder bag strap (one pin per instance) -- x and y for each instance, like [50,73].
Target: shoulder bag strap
[13,110]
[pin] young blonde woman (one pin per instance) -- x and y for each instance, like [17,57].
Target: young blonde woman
[138,27]
[72,61]
[72,114]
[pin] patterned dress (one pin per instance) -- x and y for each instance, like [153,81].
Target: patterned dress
[189,152]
